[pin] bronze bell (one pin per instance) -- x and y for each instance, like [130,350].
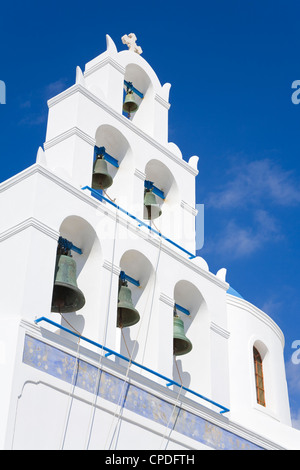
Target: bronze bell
[127,314]
[152,209]
[181,344]
[129,105]
[66,297]
[101,177]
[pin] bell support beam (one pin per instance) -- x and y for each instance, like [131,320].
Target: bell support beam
[182,309]
[101,151]
[131,87]
[63,242]
[125,277]
[150,186]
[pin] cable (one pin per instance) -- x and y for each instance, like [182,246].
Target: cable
[72,388]
[97,382]
[174,407]
[130,357]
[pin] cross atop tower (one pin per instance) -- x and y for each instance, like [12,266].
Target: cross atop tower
[130,40]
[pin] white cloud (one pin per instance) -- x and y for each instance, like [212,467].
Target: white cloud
[35,107]
[252,193]
[238,240]
[55,88]
[250,183]
[293,379]
[296,419]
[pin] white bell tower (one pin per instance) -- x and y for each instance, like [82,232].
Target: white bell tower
[73,378]
[89,114]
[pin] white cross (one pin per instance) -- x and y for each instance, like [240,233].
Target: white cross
[130,40]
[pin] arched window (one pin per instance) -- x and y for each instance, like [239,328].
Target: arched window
[259,377]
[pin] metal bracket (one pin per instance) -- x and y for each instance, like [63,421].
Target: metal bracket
[125,277]
[63,242]
[101,151]
[149,185]
[131,87]
[182,309]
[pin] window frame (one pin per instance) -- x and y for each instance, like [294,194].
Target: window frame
[259,377]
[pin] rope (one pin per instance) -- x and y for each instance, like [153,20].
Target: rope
[155,226]
[72,388]
[97,382]
[174,407]
[130,359]
[112,200]
[120,400]
[155,272]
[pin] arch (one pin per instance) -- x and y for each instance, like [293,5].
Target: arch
[78,231]
[138,63]
[188,296]
[139,78]
[160,175]
[117,146]
[193,372]
[138,266]
[144,116]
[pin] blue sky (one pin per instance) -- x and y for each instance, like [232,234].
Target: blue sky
[231,65]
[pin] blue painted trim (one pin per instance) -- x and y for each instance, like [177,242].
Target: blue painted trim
[111,351]
[101,198]
[69,245]
[182,309]
[131,87]
[149,185]
[125,277]
[101,151]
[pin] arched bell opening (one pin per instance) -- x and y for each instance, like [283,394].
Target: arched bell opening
[161,196]
[115,162]
[137,87]
[190,334]
[135,287]
[78,257]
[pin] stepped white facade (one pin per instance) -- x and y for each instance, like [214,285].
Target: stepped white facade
[60,389]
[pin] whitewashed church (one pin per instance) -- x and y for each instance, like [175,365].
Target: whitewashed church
[114,334]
